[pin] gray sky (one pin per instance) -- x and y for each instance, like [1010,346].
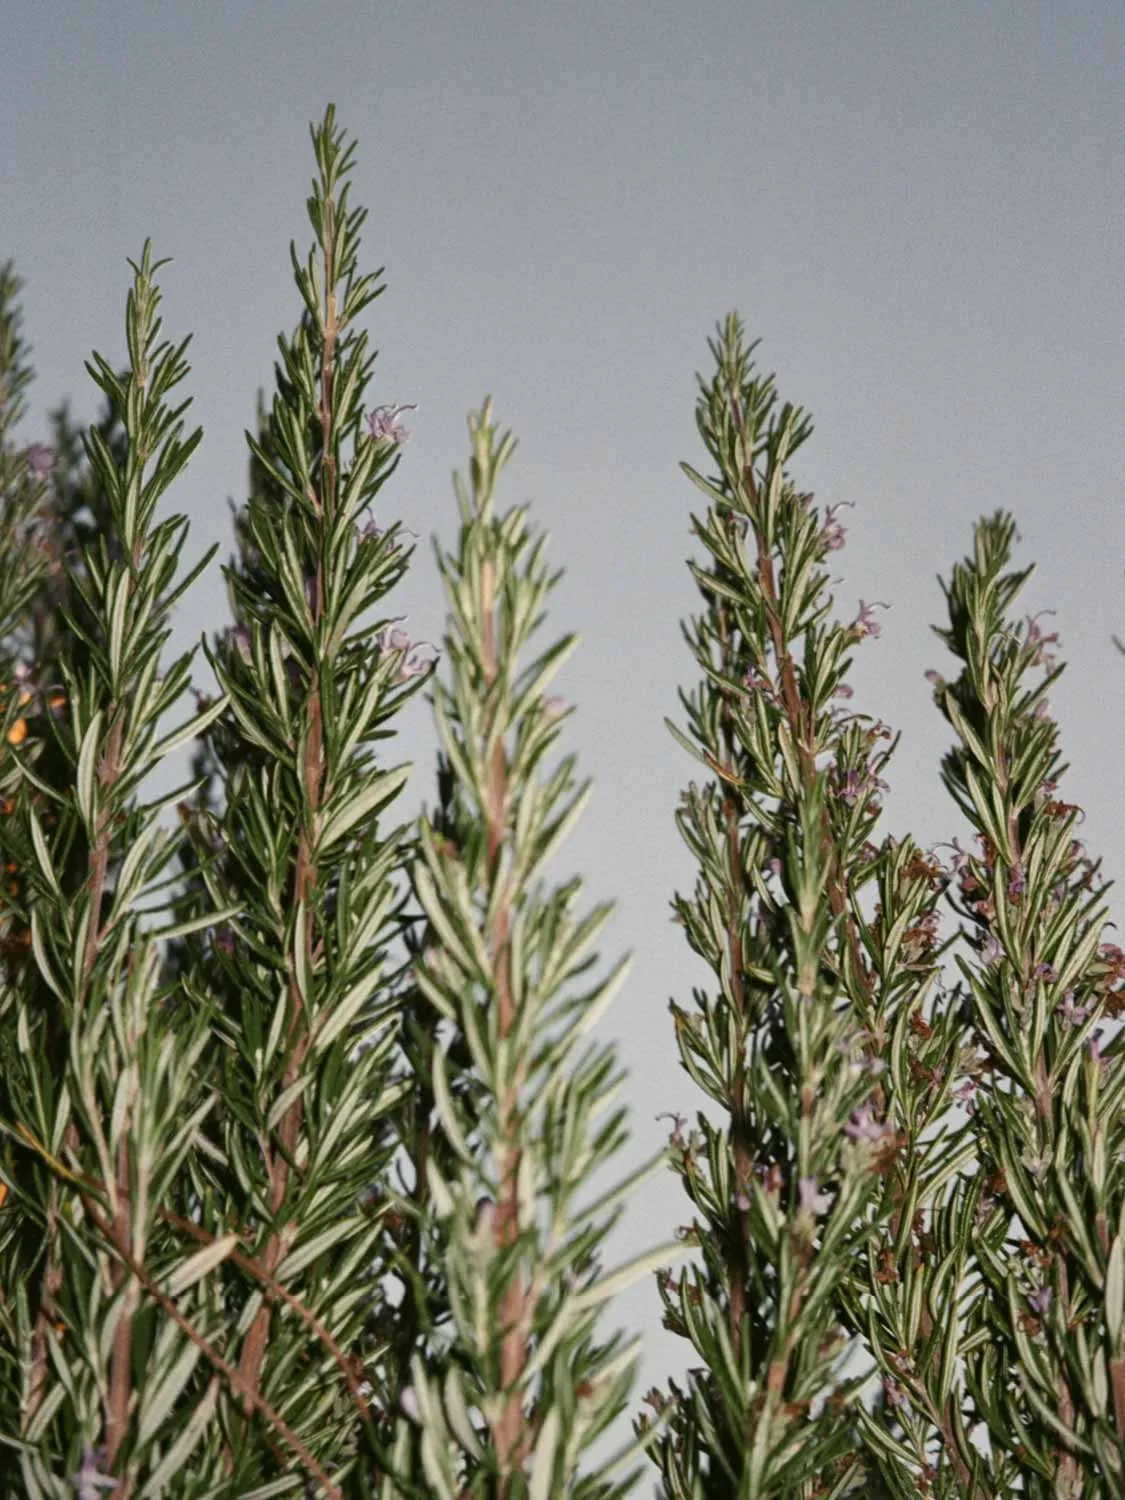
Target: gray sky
[918,208]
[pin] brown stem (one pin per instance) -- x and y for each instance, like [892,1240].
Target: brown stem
[1068,1469]
[247,1263]
[512,1311]
[121,1355]
[52,1285]
[251,1396]
[1117,1380]
[121,1359]
[304,879]
[255,1268]
[737,1263]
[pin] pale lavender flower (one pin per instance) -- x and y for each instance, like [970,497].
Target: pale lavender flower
[415,665]
[936,678]
[389,639]
[677,1137]
[741,1202]
[1036,638]
[863,624]
[990,950]
[1044,972]
[1040,1300]
[384,423]
[960,857]
[1017,882]
[844,690]
[965,1095]
[40,459]
[759,684]
[89,1479]
[834,532]
[812,1201]
[850,789]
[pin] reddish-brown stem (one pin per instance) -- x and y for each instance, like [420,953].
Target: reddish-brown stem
[304,878]
[251,1396]
[513,1349]
[737,1266]
[246,1262]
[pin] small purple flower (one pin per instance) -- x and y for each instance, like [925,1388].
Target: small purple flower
[812,1201]
[89,1479]
[1036,638]
[1017,883]
[1040,1300]
[368,531]
[40,459]
[741,1202]
[844,690]
[834,532]
[392,640]
[936,678]
[990,950]
[415,664]
[863,624]
[985,1208]
[758,684]
[965,1095]
[384,423]
[850,789]
[1044,972]
[555,707]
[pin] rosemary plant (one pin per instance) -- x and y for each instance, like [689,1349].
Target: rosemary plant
[96,1143]
[516,1382]
[206,1291]
[806,1172]
[307,1024]
[1045,1348]
[306,1153]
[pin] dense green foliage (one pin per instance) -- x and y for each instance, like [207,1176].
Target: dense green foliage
[308,1154]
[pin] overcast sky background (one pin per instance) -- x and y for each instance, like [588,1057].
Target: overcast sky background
[917,207]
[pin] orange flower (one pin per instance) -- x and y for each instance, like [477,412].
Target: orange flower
[18,732]
[3,1193]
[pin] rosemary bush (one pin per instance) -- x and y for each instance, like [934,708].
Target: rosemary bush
[300,1105]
